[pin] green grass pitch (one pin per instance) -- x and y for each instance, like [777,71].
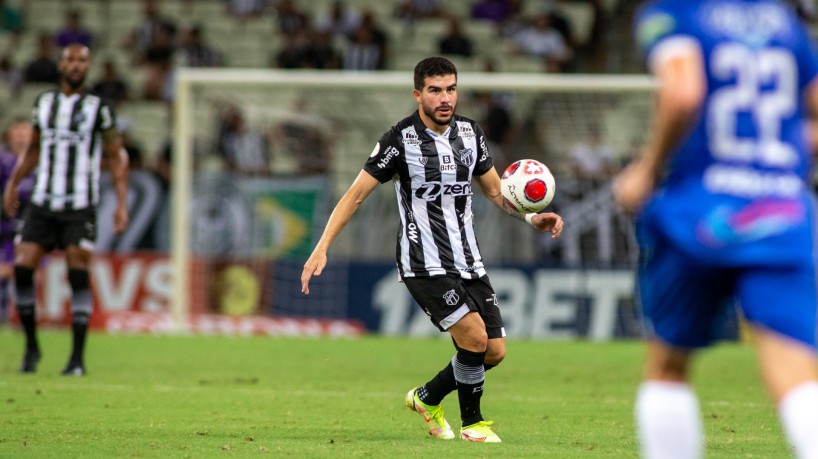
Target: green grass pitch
[183,396]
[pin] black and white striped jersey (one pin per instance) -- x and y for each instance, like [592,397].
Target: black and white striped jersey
[70,128]
[433,182]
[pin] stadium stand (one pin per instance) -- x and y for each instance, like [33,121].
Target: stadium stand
[249,43]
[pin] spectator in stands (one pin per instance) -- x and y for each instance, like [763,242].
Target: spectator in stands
[11,18]
[73,31]
[10,76]
[559,21]
[130,144]
[362,52]
[494,117]
[290,18]
[321,54]
[306,138]
[496,11]
[542,41]
[594,51]
[293,55]
[592,160]
[196,52]
[455,42]
[244,150]
[16,139]
[411,10]
[158,60]
[141,38]
[111,86]
[379,36]
[340,20]
[164,164]
[43,68]
[243,9]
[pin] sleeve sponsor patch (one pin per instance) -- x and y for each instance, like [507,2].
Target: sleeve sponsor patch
[652,27]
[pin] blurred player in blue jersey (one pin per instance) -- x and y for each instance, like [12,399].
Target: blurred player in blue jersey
[722,196]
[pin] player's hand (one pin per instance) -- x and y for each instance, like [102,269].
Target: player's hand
[120,219]
[633,185]
[313,267]
[548,221]
[11,200]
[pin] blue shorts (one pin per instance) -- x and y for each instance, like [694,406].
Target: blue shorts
[684,301]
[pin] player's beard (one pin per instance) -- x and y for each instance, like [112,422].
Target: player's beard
[432,114]
[74,83]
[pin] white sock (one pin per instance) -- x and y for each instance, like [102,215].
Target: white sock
[668,421]
[798,411]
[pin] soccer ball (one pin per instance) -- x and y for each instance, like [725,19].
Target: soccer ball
[528,186]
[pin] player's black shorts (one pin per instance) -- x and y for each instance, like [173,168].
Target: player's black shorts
[59,229]
[446,299]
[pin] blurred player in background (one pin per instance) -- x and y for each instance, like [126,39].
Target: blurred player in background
[16,139]
[72,130]
[432,157]
[724,209]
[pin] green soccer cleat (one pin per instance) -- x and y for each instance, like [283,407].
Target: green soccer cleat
[480,432]
[433,415]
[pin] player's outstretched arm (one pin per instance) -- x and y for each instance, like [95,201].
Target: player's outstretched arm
[22,168]
[546,221]
[341,215]
[682,87]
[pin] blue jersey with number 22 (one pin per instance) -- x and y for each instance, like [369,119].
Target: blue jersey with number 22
[737,190]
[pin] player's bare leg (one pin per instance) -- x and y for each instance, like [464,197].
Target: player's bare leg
[790,371]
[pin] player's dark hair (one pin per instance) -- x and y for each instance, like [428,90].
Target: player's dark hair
[433,66]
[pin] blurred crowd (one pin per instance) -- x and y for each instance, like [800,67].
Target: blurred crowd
[341,35]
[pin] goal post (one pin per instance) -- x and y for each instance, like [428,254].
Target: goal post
[353,109]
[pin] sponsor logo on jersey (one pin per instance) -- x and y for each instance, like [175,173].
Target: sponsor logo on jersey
[653,27]
[484,149]
[410,138]
[448,164]
[54,135]
[412,232]
[451,297]
[390,153]
[466,131]
[467,156]
[756,23]
[431,190]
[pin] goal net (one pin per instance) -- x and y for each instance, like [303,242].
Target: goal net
[261,157]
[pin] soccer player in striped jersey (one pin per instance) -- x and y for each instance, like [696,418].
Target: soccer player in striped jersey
[432,157]
[725,210]
[72,130]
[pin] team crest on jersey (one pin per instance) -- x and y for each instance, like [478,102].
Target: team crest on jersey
[467,156]
[423,160]
[411,138]
[451,297]
[78,119]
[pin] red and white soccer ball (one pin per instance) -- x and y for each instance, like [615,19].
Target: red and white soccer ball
[528,186]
